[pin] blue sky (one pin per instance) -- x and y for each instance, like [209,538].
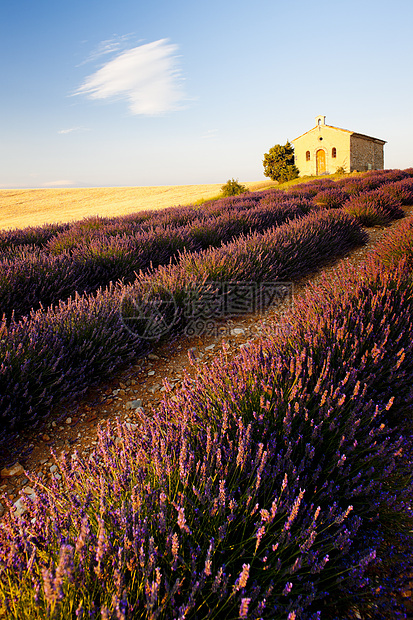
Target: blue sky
[168,92]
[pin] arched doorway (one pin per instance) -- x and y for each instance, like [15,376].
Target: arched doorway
[320,161]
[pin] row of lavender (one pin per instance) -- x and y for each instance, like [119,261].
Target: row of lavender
[276,485]
[32,277]
[374,199]
[94,252]
[354,185]
[56,354]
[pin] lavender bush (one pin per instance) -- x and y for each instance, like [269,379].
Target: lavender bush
[31,278]
[58,238]
[331,198]
[281,253]
[266,489]
[401,190]
[284,200]
[374,208]
[369,181]
[84,231]
[55,355]
[397,246]
[373,296]
[311,188]
[31,235]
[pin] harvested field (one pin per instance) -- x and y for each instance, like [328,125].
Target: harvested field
[34,207]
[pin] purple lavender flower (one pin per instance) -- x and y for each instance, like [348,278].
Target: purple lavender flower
[243,578]
[243,610]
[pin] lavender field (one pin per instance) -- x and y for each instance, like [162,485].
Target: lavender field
[275,485]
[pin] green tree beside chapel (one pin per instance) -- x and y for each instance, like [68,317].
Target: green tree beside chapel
[279,163]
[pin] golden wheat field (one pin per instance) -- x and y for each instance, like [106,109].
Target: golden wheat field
[33,207]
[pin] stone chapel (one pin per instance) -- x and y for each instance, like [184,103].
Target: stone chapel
[325,148]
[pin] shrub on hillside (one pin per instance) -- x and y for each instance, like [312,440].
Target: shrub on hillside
[233,188]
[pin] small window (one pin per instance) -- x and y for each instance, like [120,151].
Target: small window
[307,156]
[334,152]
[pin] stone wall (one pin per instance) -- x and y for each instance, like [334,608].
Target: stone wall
[365,153]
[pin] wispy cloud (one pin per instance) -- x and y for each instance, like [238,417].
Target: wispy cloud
[147,76]
[109,46]
[210,134]
[72,129]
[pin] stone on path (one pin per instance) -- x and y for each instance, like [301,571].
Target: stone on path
[237,331]
[134,404]
[14,470]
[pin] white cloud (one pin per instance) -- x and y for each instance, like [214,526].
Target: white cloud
[146,76]
[71,130]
